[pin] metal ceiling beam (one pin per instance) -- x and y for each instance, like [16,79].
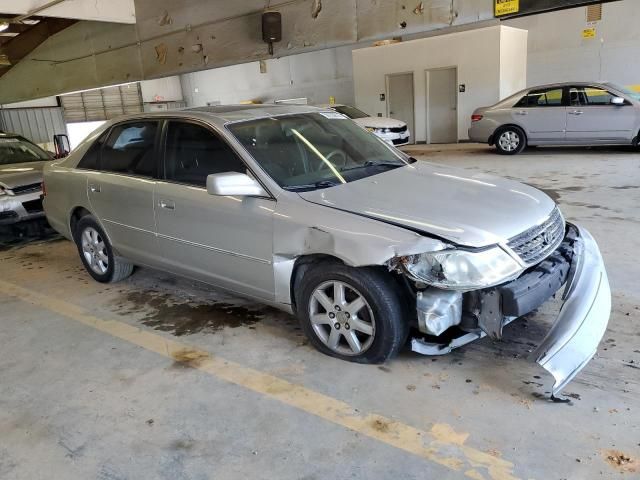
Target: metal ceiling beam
[19,47]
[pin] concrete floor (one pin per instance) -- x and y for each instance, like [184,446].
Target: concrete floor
[158,377]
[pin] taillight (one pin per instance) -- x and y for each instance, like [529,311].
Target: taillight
[476,118]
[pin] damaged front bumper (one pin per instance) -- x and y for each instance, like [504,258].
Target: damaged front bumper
[574,337]
[573,340]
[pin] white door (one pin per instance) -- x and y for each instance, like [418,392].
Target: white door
[400,99]
[442,105]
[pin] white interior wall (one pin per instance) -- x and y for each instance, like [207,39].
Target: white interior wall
[475,53]
[559,53]
[513,64]
[315,75]
[166,89]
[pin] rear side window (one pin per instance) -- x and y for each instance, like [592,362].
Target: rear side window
[541,98]
[130,149]
[91,159]
[194,152]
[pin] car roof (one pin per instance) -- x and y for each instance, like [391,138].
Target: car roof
[222,114]
[565,84]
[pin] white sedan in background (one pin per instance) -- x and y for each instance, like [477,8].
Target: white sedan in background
[394,132]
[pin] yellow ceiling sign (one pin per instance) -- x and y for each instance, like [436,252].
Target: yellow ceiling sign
[589,32]
[506,7]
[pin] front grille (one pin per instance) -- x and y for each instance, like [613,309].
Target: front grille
[22,189]
[398,129]
[399,141]
[537,243]
[33,206]
[6,215]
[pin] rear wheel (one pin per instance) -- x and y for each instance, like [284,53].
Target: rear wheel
[96,253]
[343,318]
[510,140]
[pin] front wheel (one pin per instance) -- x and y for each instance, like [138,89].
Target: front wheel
[343,317]
[510,141]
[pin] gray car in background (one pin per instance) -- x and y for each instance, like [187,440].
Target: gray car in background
[302,209]
[560,114]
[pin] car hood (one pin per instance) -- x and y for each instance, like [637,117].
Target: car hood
[17,174]
[466,208]
[379,122]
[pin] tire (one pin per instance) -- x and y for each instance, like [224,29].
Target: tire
[96,252]
[379,324]
[510,140]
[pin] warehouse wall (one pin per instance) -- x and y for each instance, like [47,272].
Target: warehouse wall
[315,75]
[37,124]
[558,52]
[476,53]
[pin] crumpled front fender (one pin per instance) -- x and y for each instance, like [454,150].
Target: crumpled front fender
[574,337]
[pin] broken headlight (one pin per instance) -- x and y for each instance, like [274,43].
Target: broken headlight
[462,270]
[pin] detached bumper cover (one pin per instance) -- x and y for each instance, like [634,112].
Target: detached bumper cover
[573,340]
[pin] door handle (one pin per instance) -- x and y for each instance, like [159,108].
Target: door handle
[576,112]
[522,112]
[167,205]
[94,188]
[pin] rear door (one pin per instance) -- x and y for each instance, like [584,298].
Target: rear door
[542,114]
[592,118]
[121,190]
[226,241]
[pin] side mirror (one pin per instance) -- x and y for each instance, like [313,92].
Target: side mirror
[617,101]
[61,143]
[234,184]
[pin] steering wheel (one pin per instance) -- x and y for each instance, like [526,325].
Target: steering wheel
[323,165]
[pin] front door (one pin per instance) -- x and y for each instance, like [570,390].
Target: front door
[400,101]
[226,241]
[543,115]
[121,190]
[442,105]
[593,118]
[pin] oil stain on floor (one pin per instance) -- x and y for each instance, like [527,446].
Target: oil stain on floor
[162,312]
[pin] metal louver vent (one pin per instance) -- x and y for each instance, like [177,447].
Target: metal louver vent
[594,13]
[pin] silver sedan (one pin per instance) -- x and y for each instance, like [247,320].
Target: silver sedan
[560,114]
[302,209]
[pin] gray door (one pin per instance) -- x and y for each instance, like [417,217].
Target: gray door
[543,115]
[593,119]
[226,241]
[400,99]
[442,105]
[121,193]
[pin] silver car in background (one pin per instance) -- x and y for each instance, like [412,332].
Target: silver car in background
[560,114]
[302,209]
[21,164]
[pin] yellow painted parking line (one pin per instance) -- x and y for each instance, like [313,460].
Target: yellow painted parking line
[440,445]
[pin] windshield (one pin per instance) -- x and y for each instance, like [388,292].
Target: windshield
[18,150]
[626,91]
[350,112]
[315,150]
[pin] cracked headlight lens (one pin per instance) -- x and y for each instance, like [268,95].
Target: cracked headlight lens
[463,270]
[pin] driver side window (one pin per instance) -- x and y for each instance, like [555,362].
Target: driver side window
[194,152]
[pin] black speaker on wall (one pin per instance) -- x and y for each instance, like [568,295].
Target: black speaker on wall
[271,28]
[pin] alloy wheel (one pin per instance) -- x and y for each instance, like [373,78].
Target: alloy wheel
[342,318]
[95,251]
